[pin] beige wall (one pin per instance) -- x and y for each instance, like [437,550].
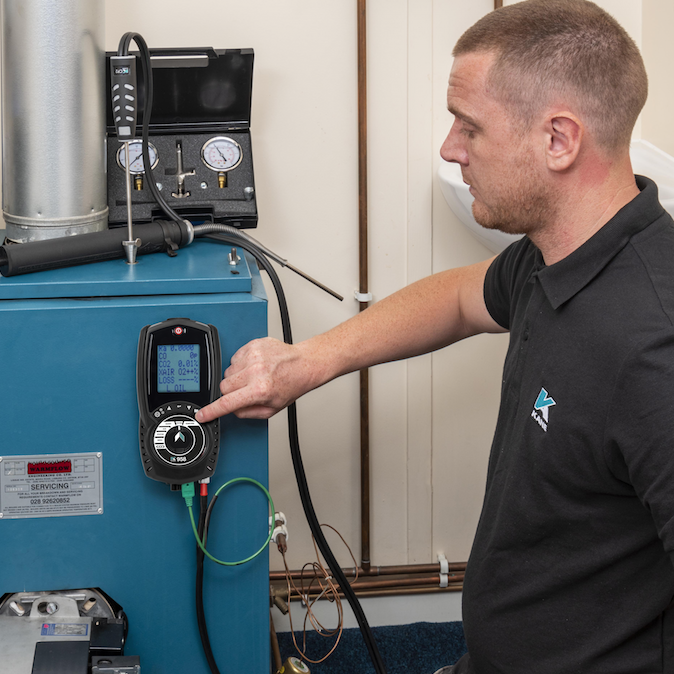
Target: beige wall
[432,417]
[658,51]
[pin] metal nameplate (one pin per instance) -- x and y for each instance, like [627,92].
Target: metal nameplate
[51,485]
[64,630]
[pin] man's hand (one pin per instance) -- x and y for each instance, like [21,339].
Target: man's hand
[264,377]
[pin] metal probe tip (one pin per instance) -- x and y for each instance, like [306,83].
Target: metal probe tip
[314,281]
[131,248]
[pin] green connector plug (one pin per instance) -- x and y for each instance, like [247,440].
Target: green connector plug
[188,493]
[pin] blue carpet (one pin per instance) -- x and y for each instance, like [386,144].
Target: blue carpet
[420,648]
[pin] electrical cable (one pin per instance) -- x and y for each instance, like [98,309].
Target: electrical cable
[331,592]
[298,464]
[202,544]
[201,615]
[201,532]
[328,590]
[146,67]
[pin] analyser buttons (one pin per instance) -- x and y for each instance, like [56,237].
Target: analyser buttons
[178,438]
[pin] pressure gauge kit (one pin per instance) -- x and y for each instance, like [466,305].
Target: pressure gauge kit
[199,142]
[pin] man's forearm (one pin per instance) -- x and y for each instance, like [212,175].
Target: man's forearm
[422,317]
[266,375]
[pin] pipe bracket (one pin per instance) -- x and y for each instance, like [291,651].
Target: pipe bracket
[444,570]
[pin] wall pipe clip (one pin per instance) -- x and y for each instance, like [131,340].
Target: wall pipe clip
[444,570]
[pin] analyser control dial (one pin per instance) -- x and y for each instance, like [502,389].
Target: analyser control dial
[178,438]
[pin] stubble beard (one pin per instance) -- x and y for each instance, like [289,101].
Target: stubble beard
[522,208]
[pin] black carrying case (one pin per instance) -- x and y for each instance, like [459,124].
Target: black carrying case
[198,94]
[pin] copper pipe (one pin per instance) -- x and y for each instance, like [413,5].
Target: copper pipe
[429,581]
[411,590]
[403,569]
[363,284]
[389,583]
[276,651]
[365,468]
[362,146]
[498,4]
[389,592]
[414,568]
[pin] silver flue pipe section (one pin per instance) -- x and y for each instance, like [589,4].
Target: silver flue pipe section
[53,118]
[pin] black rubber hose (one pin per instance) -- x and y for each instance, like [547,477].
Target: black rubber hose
[146,68]
[298,465]
[201,615]
[204,522]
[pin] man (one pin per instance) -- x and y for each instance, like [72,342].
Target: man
[571,567]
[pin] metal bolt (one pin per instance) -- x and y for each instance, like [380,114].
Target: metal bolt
[0,459]
[248,192]
[160,187]
[204,185]
[99,455]
[1,515]
[234,259]
[100,511]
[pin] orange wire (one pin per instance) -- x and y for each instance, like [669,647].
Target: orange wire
[328,589]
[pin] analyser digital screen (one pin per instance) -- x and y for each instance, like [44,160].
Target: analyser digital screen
[178,368]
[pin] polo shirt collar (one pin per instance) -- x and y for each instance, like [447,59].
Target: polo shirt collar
[562,280]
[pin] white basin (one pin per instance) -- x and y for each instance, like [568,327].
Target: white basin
[647,160]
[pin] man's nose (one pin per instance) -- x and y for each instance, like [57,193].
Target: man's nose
[453,149]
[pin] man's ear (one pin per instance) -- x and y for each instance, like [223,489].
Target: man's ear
[564,135]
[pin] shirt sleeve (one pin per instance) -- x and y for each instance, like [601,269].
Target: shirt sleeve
[504,277]
[640,430]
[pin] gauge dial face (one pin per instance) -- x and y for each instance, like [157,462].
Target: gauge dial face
[136,166]
[221,154]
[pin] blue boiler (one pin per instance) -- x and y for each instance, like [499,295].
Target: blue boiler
[68,341]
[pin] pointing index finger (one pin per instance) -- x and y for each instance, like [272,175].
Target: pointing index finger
[224,405]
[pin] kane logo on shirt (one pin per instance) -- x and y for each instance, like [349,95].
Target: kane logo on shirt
[541,409]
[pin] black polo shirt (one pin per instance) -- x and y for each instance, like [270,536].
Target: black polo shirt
[571,569]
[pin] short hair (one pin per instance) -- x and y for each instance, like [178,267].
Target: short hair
[574,48]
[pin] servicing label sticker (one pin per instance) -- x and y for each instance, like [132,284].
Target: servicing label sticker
[51,485]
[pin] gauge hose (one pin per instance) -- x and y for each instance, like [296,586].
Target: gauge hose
[146,69]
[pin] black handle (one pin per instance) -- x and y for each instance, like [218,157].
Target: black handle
[68,251]
[124,95]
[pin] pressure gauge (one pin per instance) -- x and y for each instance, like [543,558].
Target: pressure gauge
[136,166]
[221,154]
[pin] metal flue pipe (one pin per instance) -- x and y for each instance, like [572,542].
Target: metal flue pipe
[53,118]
